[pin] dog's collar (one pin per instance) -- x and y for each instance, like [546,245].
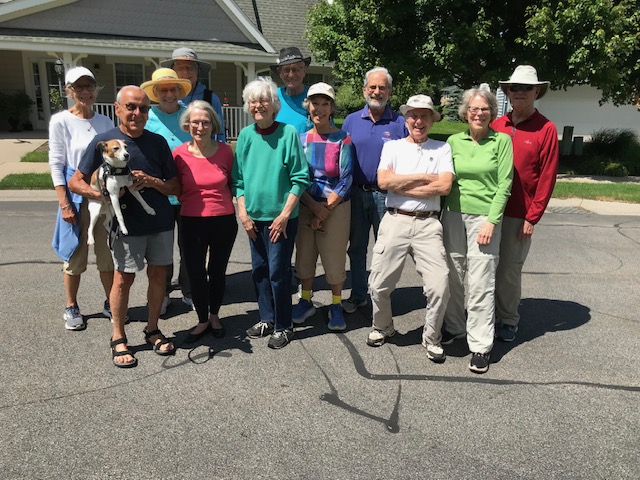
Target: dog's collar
[110,170]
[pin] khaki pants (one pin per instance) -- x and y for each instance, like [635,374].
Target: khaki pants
[478,263]
[513,253]
[421,238]
[330,244]
[77,264]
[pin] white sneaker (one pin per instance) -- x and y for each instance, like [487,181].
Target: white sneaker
[165,304]
[188,301]
[435,353]
[377,337]
[73,318]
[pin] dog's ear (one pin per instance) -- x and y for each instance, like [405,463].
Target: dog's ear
[101,146]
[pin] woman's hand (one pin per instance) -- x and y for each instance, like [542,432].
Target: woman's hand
[69,214]
[317,224]
[320,210]
[278,227]
[249,226]
[485,233]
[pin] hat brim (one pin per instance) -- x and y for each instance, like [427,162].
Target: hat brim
[544,86]
[274,67]
[204,66]
[148,87]
[407,108]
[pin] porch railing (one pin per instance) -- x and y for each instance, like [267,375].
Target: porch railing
[235,118]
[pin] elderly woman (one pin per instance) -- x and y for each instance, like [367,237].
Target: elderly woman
[208,222]
[535,160]
[325,210]
[269,175]
[483,162]
[70,131]
[165,88]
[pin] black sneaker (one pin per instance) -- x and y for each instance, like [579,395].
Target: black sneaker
[506,333]
[280,339]
[260,329]
[479,362]
[448,338]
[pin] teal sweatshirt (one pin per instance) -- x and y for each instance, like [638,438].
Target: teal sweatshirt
[267,169]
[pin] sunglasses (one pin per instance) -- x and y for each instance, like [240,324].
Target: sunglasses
[132,107]
[517,87]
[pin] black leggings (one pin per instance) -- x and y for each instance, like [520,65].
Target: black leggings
[215,235]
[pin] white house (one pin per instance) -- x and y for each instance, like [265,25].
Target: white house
[123,42]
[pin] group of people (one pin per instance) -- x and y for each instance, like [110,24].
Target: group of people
[464,210]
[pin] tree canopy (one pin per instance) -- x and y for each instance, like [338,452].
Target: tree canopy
[465,42]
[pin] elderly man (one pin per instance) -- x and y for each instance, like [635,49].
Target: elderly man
[186,64]
[150,237]
[415,171]
[535,159]
[291,66]
[370,128]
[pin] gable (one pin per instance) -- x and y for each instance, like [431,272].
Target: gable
[197,20]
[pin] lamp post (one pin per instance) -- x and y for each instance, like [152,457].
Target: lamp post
[59,67]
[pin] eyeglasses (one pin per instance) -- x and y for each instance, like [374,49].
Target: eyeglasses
[89,87]
[196,123]
[292,70]
[373,88]
[189,67]
[518,87]
[259,102]
[132,107]
[480,110]
[165,90]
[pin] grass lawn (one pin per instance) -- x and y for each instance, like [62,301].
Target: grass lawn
[40,157]
[27,181]
[611,192]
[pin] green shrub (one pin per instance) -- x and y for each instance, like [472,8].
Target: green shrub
[613,152]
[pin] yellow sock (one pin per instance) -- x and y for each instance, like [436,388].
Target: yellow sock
[336,299]
[306,295]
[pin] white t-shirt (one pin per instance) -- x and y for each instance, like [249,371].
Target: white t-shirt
[68,139]
[405,158]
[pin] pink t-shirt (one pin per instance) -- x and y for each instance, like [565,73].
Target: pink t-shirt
[205,182]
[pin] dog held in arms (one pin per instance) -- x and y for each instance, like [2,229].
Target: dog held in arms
[112,175]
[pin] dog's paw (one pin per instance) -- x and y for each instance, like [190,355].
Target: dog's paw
[151,211]
[90,241]
[124,230]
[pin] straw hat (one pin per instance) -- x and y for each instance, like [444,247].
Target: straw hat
[525,75]
[165,76]
[420,101]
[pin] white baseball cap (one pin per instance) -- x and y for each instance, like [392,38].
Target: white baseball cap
[322,88]
[75,73]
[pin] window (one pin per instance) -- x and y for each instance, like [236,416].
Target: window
[128,74]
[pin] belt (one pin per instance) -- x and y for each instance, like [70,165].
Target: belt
[368,187]
[421,214]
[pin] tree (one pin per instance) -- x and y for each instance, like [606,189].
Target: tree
[465,42]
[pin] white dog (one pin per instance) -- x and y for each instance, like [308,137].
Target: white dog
[112,175]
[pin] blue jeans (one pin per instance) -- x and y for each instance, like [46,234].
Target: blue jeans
[367,210]
[271,272]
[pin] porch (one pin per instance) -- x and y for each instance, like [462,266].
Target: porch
[235,118]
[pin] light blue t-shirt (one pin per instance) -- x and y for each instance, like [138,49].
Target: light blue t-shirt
[292,112]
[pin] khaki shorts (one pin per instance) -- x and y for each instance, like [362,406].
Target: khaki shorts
[331,244]
[130,252]
[77,264]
